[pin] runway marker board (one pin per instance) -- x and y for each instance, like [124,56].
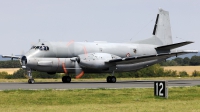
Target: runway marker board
[160,89]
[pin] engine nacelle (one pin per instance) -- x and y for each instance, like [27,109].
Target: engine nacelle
[96,60]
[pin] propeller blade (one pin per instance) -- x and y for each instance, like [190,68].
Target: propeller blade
[80,75]
[64,68]
[79,72]
[70,42]
[85,51]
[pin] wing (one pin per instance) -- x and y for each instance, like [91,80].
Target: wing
[11,56]
[149,57]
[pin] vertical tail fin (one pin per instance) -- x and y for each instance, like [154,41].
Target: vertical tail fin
[162,28]
[161,32]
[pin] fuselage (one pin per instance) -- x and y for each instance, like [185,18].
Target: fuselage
[53,56]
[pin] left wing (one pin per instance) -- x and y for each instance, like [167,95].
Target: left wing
[149,57]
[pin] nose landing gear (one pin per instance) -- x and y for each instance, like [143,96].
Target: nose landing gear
[30,80]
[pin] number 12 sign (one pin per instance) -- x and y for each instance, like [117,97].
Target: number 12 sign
[160,88]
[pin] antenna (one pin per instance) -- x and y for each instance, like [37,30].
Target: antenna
[141,29]
[180,38]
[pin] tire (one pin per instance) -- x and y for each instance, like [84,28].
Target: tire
[31,81]
[113,79]
[108,79]
[66,79]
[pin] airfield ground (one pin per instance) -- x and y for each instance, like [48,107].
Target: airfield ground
[181,99]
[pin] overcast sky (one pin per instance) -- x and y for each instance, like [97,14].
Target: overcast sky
[24,22]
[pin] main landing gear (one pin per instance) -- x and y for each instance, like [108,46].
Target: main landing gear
[66,79]
[111,79]
[30,80]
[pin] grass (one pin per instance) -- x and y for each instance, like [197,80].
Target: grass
[188,69]
[182,99]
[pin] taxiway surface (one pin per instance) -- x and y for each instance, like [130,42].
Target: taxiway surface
[93,85]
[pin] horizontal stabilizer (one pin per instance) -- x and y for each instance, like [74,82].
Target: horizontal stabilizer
[140,59]
[172,46]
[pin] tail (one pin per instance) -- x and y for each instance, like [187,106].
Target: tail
[162,30]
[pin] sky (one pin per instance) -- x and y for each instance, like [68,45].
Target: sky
[24,22]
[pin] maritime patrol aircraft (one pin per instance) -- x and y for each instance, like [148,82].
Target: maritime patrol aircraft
[103,57]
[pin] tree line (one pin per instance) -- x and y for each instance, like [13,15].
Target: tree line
[151,71]
[10,64]
[194,61]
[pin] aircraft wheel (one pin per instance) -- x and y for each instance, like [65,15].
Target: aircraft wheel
[66,79]
[113,79]
[31,81]
[108,79]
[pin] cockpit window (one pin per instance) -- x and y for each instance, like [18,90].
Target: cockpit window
[33,47]
[37,47]
[42,48]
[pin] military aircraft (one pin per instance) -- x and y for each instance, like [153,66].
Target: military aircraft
[103,57]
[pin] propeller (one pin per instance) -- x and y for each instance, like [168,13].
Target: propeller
[78,70]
